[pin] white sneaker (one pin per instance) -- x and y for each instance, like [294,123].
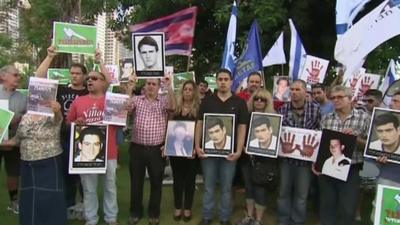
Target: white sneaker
[14,207]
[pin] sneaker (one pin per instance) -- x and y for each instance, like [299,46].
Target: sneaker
[246,221]
[256,222]
[14,207]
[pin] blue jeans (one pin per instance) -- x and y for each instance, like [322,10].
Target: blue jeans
[293,192]
[222,170]
[339,199]
[90,199]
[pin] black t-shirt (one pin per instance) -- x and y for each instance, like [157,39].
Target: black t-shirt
[233,105]
[65,96]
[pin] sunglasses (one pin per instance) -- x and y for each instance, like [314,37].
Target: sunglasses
[93,78]
[257,98]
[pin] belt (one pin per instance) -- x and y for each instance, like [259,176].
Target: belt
[150,147]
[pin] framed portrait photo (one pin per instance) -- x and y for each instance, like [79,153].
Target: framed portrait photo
[126,69]
[384,135]
[180,138]
[264,134]
[335,153]
[218,134]
[298,143]
[281,90]
[88,149]
[149,54]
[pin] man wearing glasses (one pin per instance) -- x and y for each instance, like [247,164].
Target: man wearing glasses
[339,199]
[9,81]
[372,98]
[150,112]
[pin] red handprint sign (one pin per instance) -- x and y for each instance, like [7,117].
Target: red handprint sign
[314,70]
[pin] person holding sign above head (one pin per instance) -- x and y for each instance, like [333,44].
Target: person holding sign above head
[216,130]
[149,53]
[387,128]
[219,169]
[90,145]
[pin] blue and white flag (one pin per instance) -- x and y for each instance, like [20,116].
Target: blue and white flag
[390,77]
[346,11]
[276,55]
[297,53]
[251,58]
[228,59]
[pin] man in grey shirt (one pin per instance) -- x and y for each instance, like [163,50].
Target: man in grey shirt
[9,82]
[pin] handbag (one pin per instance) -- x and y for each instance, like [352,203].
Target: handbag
[264,171]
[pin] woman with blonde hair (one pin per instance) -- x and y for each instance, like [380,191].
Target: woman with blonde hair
[184,168]
[256,199]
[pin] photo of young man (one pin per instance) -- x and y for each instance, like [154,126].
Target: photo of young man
[218,138]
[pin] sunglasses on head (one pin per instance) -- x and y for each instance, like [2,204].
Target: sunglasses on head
[257,98]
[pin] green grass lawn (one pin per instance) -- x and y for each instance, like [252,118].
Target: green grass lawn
[167,205]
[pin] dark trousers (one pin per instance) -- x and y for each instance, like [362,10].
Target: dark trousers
[72,181]
[339,199]
[184,174]
[42,193]
[142,158]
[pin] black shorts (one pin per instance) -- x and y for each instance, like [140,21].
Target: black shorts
[11,160]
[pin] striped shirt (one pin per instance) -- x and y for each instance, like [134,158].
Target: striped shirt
[358,121]
[150,121]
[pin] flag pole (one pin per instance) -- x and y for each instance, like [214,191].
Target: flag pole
[188,63]
[282,70]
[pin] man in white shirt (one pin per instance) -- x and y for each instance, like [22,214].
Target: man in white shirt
[262,131]
[216,131]
[338,165]
[388,132]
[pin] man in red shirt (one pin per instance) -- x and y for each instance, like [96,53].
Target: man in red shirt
[253,83]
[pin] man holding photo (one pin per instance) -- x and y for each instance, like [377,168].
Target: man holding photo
[216,168]
[263,133]
[216,131]
[387,130]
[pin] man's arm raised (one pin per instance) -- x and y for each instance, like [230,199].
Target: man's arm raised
[44,66]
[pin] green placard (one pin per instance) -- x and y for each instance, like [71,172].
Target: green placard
[74,38]
[62,75]
[388,206]
[212,82]
[5,120]
[180,78]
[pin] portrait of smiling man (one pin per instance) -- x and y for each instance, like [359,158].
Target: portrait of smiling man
[90,145]
[387,130]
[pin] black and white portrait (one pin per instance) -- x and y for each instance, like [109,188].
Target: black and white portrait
[148,52]
[218,134]
[264,133]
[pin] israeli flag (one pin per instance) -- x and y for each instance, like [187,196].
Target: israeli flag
[346,11]
[297,53]
[228,59]
[390,77]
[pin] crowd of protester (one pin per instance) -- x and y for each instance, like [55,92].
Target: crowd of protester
[42,191]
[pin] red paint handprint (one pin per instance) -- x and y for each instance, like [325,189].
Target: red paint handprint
[354,80]
[287,141]
[366,84]
[309,146]
[313,74]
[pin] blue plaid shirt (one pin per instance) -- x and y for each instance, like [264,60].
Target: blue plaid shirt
[358,120]
[310,119]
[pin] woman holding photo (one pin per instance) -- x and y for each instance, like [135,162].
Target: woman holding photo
[184,169]
[260,101]
[42,198]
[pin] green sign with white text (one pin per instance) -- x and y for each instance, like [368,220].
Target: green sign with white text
[180,78]
[62,75]
[74,38]
[388,206]
[5,120]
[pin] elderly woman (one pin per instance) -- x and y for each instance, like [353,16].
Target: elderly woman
[42,199]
